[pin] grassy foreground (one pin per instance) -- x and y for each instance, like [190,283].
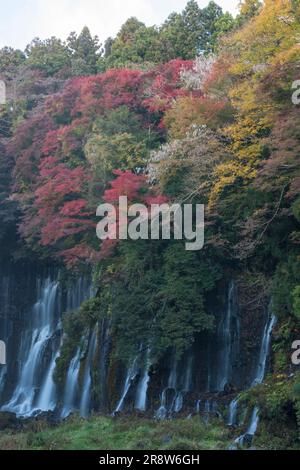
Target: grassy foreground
[128,433]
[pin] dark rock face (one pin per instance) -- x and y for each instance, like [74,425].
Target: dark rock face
[9,421]
[17,295]
[204,380]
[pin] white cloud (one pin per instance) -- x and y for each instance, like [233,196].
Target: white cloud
[21,20]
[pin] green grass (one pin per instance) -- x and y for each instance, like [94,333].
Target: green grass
[128,433]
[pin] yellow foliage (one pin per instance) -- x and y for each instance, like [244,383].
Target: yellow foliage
[271,38]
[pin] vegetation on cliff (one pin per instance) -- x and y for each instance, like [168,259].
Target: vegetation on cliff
[143,118]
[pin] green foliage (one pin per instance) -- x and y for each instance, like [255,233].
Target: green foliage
[248,9]
[49,56]
[174,283]
[182,35]
[10,60]
[296,301]
[118,140]
[296,209]
[84,52]
[105,433]
[76,326]
[278,402]
[285,287]
[186,278]
[194,31]
[135,43]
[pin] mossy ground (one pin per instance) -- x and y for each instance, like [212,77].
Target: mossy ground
[122,433]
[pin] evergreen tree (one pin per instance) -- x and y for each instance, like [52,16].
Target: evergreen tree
[49,56]
[210,17]
[85,52]
[10,60]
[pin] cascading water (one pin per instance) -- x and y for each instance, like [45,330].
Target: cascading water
[104,351]
[259,377]
[71,388]
[81,291]
[232,415]
[47,396]
[229,341]
[222,353]
[39,348]
[187,384]
[142,388]
[264,351]
[34,343]
[87,379]
[253,422]
[130,376]
[4,324]
[178,388]
[162,411]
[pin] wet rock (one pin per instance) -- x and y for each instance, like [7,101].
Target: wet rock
[48,417]
[247,441]
[9,421]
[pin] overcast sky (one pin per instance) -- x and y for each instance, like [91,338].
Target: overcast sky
[22,20]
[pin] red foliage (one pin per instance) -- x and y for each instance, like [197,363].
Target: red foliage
[137,191]
[51,173]
[81,253]
[59,209]
[164,86]
[126,184]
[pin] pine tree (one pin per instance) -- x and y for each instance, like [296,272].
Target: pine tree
[85,52]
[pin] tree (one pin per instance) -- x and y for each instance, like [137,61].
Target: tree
[49,56]
[134,44]
[211,16]
[180,33]
[248,9]
[192,32]
[181,167]
[221,27]
[10,60]
[84,50]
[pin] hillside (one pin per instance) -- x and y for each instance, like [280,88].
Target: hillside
[203,109]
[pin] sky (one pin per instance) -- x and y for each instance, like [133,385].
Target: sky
[22,20]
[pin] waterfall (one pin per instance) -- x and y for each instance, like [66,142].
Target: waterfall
[82,290]
[39,346]
[249,434]
[4,325]
[233,407]
[71,387]
[130,376]
[33,346]
[253,422]
[176,404]
[207,410]
[104,350]
[229,341]
[172,382]
[259,377]
[47,396]
[142,388]
[264,350]
[87,379]
[187,385]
